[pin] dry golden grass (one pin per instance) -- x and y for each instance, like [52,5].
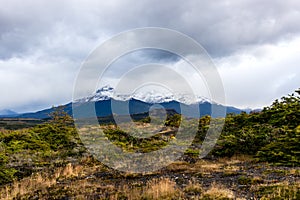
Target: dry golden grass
[80,182]
[257,180]
[71,170]
[295,172]
[160,189]
[207,167]
[194,189]
[131,193]
[221,165]
[217,191]
[38,181]
[179,166]
[281,190]
[235,159]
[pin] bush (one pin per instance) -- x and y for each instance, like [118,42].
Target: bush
[6,174]
[55,139]
[285,150]
[273,134]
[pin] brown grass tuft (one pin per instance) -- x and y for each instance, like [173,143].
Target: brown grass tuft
[217,191]
[37,181]
[162,188]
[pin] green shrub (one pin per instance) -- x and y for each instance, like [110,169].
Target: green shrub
[272,134]
[6,174]
[284,150]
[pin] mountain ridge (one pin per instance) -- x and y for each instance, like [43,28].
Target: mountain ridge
[106,103]
[107,92]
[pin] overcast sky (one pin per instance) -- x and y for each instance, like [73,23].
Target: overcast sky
[255,44]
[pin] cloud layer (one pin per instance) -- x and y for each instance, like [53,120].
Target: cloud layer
[43,43]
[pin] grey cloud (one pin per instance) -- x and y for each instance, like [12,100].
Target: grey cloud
[140,57]
[63,33]
[221,26]
[255,81]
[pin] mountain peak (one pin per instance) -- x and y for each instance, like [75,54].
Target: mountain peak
[106,88]
[151,96]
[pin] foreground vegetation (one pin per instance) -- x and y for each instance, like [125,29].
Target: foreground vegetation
[257,156]
[235,178]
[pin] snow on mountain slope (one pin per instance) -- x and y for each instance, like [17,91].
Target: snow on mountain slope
[107,92]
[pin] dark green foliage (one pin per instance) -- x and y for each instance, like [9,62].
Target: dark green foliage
[131,143]
[283,150]
[60,132]
[272,135]
[56,136]
[202,129]
[285,116]
[173,120]
[39,145]
[19,141]
[6,174]
[245,140]
[283,113]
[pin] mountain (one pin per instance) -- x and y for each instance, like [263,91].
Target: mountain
[106,103]
[7,113]
[44,114]
[153,96]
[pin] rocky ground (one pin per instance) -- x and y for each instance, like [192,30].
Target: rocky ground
[235,178]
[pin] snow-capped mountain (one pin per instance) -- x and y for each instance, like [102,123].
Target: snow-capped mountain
[136,104]
[108,92]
